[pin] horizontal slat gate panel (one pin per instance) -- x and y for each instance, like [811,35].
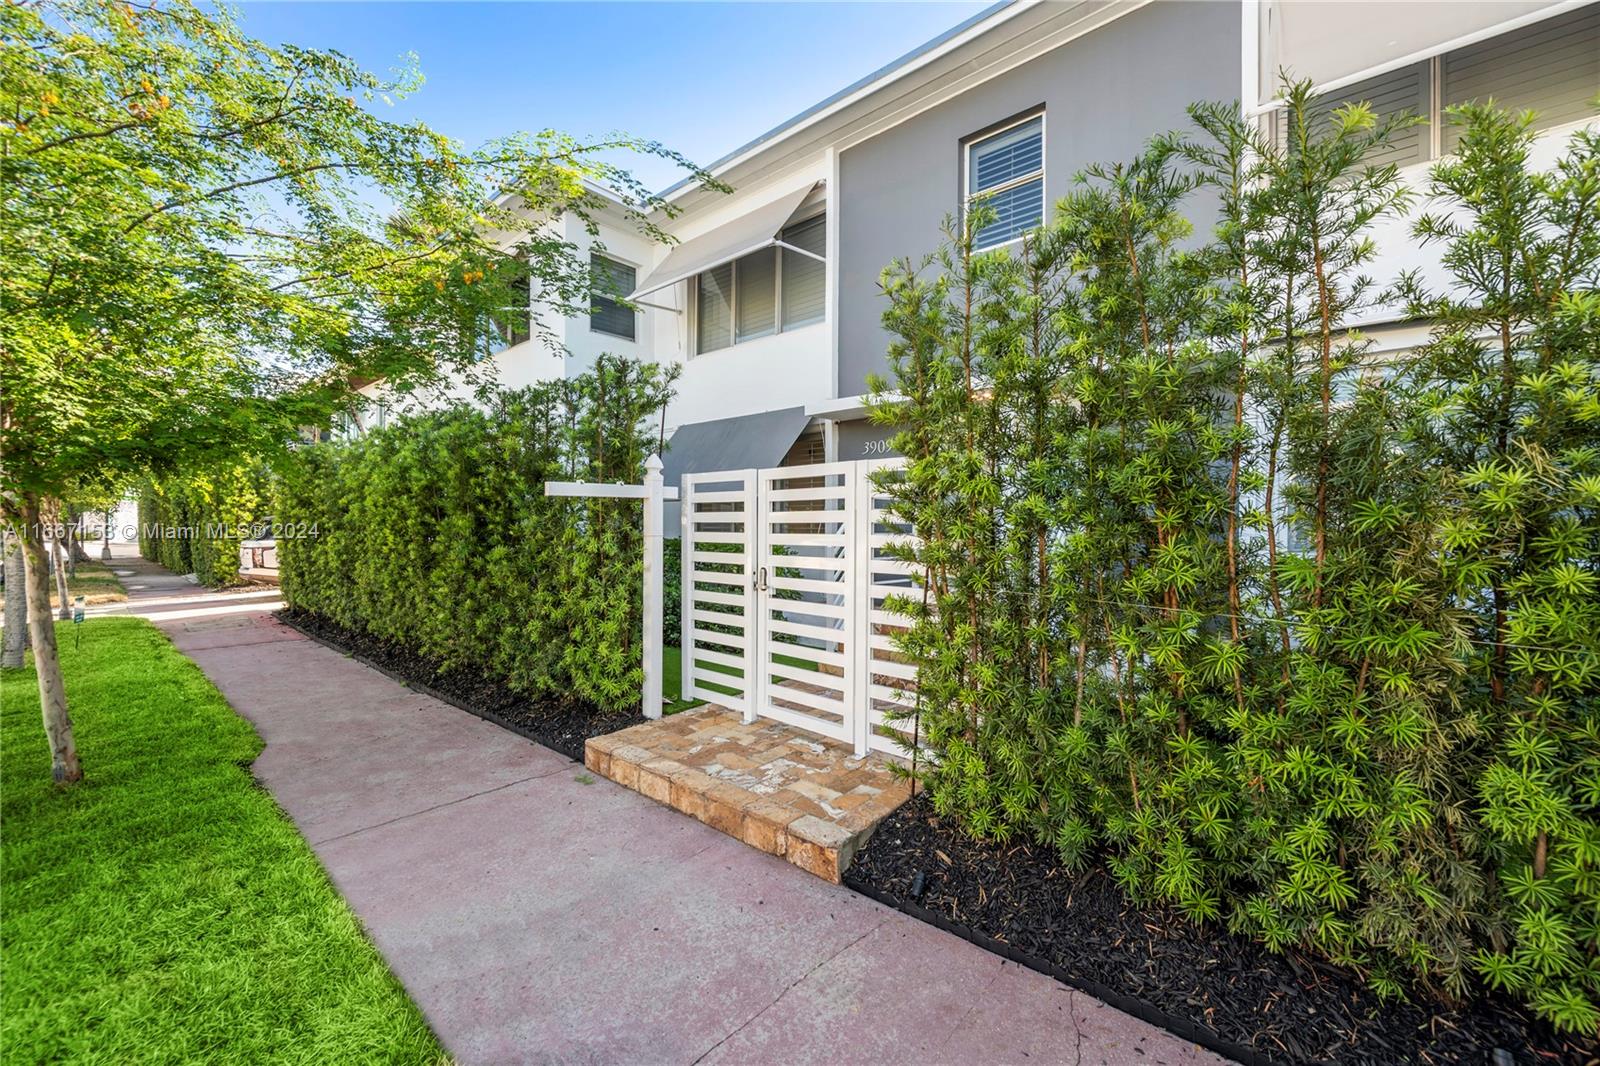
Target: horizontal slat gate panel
[704,596]
[804,721]
[884,576]
[796,610]
[716,587]
[715,537]
[709,656]
[704,621]
[806,547]
[798,562]
[802,584]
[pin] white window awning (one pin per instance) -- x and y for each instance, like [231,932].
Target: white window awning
[746,234]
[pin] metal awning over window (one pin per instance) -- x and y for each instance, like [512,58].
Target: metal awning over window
[759,440]
[744,235]
[740,443]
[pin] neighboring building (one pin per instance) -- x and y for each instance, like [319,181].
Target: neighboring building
[770,298]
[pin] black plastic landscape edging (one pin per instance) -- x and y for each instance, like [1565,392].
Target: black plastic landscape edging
[1182,1028]
[426,690]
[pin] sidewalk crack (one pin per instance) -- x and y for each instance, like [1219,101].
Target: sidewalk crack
[789,987]
[436,807]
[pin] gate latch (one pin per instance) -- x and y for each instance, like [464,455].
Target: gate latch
[759,581]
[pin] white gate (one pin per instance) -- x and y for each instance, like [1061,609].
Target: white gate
[784,574]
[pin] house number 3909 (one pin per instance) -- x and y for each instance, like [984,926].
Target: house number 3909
[875,447]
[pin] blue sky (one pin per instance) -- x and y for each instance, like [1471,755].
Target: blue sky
[702,78]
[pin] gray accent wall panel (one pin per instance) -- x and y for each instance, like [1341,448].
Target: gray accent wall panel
[1104,94]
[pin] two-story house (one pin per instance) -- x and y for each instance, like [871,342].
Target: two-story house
[769,300]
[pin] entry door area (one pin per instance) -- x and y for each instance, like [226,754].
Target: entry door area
[783,583]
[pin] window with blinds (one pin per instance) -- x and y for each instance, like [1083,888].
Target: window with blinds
[606,313]
[512,324]
[766,292]
[804,278]
[1005,172]
[1551,68]
[755,286]
[713,309]
[1399,92]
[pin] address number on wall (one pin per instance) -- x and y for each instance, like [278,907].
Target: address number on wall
[875,447]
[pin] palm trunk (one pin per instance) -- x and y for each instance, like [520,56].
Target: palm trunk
[64,766]
[16,638]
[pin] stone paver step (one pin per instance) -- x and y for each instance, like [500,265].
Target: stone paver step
[787,792]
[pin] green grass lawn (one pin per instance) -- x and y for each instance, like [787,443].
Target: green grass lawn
[94,582]
[672,683]
[672,678]
[165,909]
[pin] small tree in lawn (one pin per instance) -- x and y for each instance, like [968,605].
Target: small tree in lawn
[207,238]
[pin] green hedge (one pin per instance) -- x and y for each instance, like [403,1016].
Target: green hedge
[194,523]
[435,533]
[672,592]
[1291,635]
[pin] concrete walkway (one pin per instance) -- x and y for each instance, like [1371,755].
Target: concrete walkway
[538,914]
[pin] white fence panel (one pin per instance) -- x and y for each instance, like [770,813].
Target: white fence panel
[806,576]
[786,573]
[887,680]
[718,602]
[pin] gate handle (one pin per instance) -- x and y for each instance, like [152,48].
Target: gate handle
[759,582]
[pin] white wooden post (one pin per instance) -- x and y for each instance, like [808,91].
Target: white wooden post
[653,521]
[654,493]
[686,588]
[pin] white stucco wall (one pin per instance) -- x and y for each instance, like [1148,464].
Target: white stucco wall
[621,241]
[1397,250]
[788,369]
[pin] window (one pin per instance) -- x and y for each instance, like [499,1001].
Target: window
[512,324]
[1005,171]
[768,291]
[606,313]
[1551,67]
[1390,95]
[804,278]
[755,284]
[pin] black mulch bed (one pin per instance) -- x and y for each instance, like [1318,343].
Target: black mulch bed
[560,724]
[1203,984]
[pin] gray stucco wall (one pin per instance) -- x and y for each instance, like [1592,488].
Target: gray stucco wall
[1105,94]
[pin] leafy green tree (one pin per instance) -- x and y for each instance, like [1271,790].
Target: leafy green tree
[209,239]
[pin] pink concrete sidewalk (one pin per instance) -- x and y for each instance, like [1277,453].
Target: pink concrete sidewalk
[537,914]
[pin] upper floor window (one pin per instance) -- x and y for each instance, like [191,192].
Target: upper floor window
[1551,67]
[513,323]
[1005,171]
[606,313]
[777,288]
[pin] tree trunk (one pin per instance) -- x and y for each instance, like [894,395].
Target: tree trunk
[47,662]
[16,642]
[75,552]
[65,609]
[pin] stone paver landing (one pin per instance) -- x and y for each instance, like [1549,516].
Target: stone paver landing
[782,790]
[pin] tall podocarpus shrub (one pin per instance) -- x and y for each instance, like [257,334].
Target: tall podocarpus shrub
[195,522]
[1292,635]
[1510,413]
[436,534]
